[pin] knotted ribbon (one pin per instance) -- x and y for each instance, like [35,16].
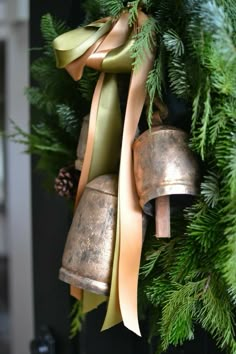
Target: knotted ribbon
[105,45]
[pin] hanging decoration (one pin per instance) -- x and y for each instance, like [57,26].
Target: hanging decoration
[183,55]
[89,249]
[111,54]
[164,165]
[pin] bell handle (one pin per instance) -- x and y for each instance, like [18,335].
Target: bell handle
[162,216]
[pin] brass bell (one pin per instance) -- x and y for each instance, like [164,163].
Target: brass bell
[82,143]
[164,165]
[88,253]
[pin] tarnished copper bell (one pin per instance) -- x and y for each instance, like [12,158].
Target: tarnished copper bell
[164,165]
[88,253]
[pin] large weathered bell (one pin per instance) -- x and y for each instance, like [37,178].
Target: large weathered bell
[88,253]
[164,165]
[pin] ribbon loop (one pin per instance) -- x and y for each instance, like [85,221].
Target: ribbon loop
[73,44]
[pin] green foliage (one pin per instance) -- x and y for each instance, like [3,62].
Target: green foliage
[60,104]
[113,7]
[68,120]
[87,83]
[144,42]
[77,318]
[154,85]
[133,11]
[173,43]
[210,189]
[50,29]
[191,278]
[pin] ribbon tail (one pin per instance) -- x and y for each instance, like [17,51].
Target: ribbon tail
[90,140]
[104,135]
[92,301]
[113,314]
[130,211]
[103,147]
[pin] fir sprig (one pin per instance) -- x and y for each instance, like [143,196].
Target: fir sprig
[154,84]
[144,42]
[77,317]
[133,11]
[210,189]
[50,29]
[179,311]
[113,7]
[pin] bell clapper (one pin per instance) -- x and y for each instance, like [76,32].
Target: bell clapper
[162,216]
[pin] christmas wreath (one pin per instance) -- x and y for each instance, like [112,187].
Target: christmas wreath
[189,279]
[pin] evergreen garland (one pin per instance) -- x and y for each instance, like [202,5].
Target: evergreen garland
[190,279]
[60,103]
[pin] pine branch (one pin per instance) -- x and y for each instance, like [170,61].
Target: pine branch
[173,43]
[68,120]
[40,100]
[144,43]
[77,319]
[87,83]
[154,84]
[178,77]
[113,7]
[200,138]
[216,314]
[93,9]
[180,308]
[216,22]
[50,29]
[210,189]
[204,227]
[151,258]
[133,11]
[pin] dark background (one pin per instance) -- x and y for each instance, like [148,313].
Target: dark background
[51,220]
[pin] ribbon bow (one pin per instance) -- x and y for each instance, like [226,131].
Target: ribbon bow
[105,46]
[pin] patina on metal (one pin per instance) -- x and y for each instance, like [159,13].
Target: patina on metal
[88,254]
[164,165]
[82,143]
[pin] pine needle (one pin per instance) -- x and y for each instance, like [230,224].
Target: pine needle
[144,43]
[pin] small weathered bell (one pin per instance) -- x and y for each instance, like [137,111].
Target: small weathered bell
[82,143]
[164,165]
[88,254]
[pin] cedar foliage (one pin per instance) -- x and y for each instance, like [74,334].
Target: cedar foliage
[190,279]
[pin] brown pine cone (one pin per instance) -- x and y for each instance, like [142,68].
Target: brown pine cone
[66,182]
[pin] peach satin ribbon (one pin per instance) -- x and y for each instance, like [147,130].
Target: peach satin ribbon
[109,53]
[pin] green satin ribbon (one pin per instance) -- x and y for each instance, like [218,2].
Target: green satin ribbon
[119,60]
[108,133]
[73,44]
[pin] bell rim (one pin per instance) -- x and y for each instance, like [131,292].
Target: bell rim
[167,189]
[82,282]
